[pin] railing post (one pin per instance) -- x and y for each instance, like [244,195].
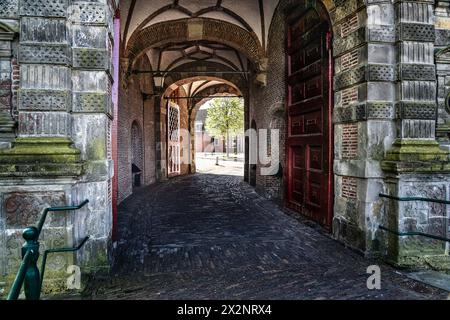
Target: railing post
[32,282]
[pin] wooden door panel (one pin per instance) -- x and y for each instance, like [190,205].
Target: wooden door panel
[313,122]
[313,88]
[309,123]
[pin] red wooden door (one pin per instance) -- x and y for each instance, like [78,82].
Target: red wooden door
[309,105]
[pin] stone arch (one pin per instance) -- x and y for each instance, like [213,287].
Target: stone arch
[190,72]
[195,29]
[323,7]
[215,91]
[137,153]
[224,88]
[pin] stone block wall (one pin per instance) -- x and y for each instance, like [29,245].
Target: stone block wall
[365,71]
[442,41]
[384,92]
[61,73]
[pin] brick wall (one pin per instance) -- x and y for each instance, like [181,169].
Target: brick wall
[267,103]
[132,107]
[349,187]
[349,141]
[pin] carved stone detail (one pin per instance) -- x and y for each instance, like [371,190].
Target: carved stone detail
[44,100]
[44,54]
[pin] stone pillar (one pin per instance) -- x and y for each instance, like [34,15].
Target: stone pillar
[8,78]
[44,97]
[247,140]
[160,120]
[415,166]
[40,167]
[62,155]
[442,49]
[92,39]
[363,116]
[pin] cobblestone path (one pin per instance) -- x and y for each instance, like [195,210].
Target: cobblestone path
[212,237]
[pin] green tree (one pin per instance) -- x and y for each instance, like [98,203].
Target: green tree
[225,117]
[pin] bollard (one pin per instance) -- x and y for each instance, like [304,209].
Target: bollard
[217,161]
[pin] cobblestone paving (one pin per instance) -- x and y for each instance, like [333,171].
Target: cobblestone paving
[212,237]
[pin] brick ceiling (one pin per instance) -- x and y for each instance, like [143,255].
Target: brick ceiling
[251,15]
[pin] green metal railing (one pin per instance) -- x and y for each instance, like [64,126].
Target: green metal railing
[414,199]
[28,274]
[414,233]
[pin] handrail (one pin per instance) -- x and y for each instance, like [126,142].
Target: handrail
[28,274]
[414,199]
[54,209]
[46,252]
[414,233]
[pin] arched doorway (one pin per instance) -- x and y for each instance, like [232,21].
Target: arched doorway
[137,154]
[309,105]
[253,166]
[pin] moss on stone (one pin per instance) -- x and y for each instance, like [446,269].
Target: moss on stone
[97,149]
[40,150]
[416,156]
[46,156]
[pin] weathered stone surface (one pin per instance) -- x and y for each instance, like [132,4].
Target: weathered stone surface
[44,100]
[91,59]
[90,136]
[44,124]
[44,8]
[36,30]
[416,216]
[9,8]
[24,209]
[54,54]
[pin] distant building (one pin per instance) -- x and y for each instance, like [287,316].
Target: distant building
[204,142]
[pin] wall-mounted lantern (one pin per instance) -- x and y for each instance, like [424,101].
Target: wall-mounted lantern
[159,80]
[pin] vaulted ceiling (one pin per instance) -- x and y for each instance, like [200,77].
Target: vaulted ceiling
[252,15]
[172,56]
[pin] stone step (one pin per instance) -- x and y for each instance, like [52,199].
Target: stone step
[6,122]
[7,128]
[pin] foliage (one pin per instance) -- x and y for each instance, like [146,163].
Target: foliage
[225,117]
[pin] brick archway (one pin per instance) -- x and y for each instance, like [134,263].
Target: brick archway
[225,87]
[190,72]
[198,29]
